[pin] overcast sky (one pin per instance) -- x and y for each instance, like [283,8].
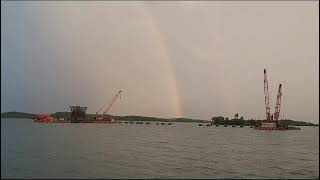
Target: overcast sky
[171,59]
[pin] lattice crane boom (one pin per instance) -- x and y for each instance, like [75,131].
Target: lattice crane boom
[266,96]
[278,103]
[100,117]
[112,102]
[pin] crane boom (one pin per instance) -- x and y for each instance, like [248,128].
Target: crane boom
[278,103]
[266,96]
[102,116]
[101,109]
[112,102]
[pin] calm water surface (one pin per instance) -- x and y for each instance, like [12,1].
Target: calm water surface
[182,150]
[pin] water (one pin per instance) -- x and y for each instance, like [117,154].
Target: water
[182,150]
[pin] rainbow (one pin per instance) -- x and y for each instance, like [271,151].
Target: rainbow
[166,57]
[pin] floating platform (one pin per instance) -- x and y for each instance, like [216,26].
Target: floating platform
[269,128]
[274,126]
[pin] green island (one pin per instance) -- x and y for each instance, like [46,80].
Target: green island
[219,120]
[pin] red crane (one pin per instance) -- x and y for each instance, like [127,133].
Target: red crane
[266,97]
[278,104]
[102,116]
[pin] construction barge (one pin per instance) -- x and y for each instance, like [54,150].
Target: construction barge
[272,120]
[271,125]
[78,115]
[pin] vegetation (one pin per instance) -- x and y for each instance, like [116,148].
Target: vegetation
[66,115]
[297,123]
[61,115]
[132,118]
[18,115]
[143,118]
[220,120]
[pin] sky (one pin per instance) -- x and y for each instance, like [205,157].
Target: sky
[171,59]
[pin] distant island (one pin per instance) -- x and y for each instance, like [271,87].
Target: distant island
[65,115]
[219,120]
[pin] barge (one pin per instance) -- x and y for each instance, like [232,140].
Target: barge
[77,115]
[271,125]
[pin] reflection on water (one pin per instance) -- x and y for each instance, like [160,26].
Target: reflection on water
[182,150]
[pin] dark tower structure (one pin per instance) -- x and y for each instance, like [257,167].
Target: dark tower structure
[78,113]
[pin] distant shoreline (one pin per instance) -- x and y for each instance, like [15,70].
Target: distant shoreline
[22,115]
[251,122]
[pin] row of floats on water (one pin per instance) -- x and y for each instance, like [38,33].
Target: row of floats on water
[162,123]
[223,125]
[139,122]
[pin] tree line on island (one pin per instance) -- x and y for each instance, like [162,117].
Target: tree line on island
[218,120]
